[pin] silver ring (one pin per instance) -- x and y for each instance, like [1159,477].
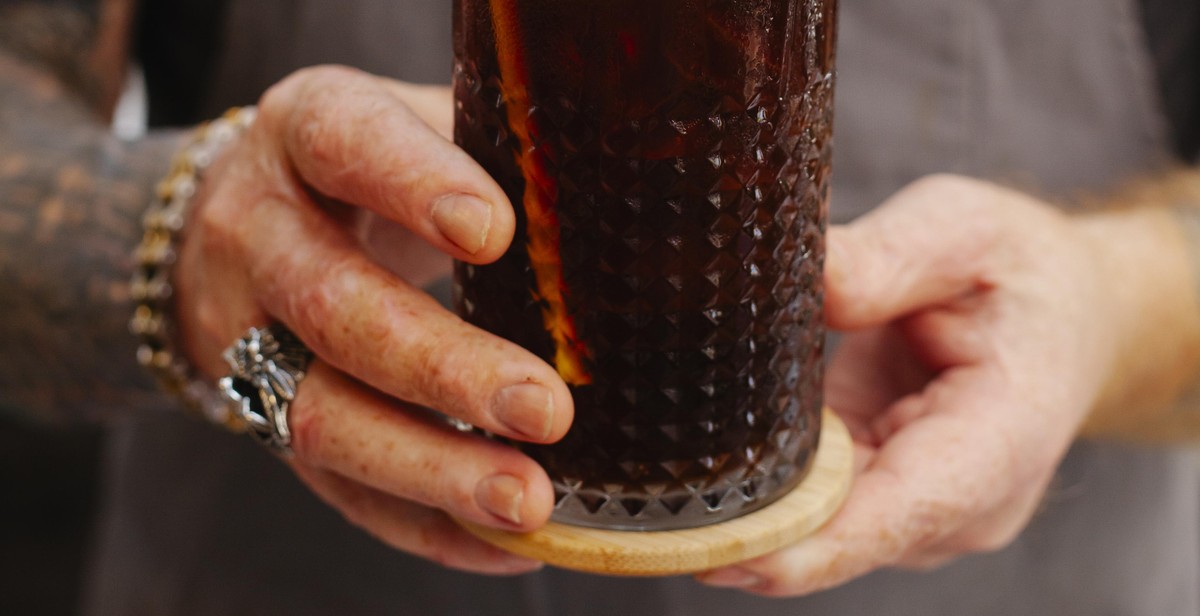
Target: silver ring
[267,366]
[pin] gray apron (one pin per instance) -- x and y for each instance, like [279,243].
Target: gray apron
[1052,96]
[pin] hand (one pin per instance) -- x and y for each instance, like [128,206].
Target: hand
[980,339]
[277,234]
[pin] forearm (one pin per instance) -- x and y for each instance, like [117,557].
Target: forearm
[71,199]
[1148,245]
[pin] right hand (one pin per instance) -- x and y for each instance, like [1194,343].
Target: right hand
[274,236]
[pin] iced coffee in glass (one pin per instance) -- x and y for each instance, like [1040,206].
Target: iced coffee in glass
[669,165]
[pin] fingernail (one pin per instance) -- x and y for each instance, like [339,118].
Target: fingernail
[527,409]
[733,577]
[464,220]
[502,496]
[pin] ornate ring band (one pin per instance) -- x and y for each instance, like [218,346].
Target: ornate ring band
[267,365]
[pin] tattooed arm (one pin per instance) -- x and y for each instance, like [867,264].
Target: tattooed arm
[71,197]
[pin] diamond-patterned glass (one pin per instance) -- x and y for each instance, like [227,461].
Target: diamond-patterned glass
[672,159]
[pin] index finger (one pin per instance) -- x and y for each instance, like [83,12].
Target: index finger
[353,138]
[911,252]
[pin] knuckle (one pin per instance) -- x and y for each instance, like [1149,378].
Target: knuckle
[439,481]
[845,301]
[328,75]
[280,97]
[444,383]
[926,523]
[272,275]
[209,219]
[311,132]
[211,320]
[943,184]
[215,205]
[276,100]
[862,298]
[433,486]
[435,367]
[952,200]
[314,308]
[213,222]
[320,97]
[219,222]
[460,500]
[309,308]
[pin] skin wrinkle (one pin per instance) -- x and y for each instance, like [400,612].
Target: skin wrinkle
[310,138]
[309,143]
[440,362]
[350,165]
[320,302]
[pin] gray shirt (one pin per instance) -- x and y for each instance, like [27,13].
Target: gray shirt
[1054,96]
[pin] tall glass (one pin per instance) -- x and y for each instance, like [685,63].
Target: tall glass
[669,164]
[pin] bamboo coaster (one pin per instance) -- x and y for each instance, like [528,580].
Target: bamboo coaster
[662,553]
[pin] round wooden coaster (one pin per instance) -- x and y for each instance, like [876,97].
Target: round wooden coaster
[661,553]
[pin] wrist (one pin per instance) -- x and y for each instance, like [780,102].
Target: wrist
[152,287]
[1150,301]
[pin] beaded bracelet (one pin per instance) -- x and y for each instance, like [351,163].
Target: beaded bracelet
[155,258]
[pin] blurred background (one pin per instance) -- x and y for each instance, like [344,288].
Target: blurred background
[48,484]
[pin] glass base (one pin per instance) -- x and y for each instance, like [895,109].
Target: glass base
[695,509]
[796,515]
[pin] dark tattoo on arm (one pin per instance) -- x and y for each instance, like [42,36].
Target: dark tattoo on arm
[58,37]
[71,199]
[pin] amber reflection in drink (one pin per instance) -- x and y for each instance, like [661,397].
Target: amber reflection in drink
[669,164]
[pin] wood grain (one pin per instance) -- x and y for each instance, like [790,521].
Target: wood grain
[631,553]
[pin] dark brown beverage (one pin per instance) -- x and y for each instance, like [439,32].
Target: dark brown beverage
[669,164]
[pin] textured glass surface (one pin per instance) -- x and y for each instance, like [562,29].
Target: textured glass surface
[669,164]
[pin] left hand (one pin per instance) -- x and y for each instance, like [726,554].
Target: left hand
[342,177]
[980,340]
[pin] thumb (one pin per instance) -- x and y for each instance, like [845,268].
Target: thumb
[928,244]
